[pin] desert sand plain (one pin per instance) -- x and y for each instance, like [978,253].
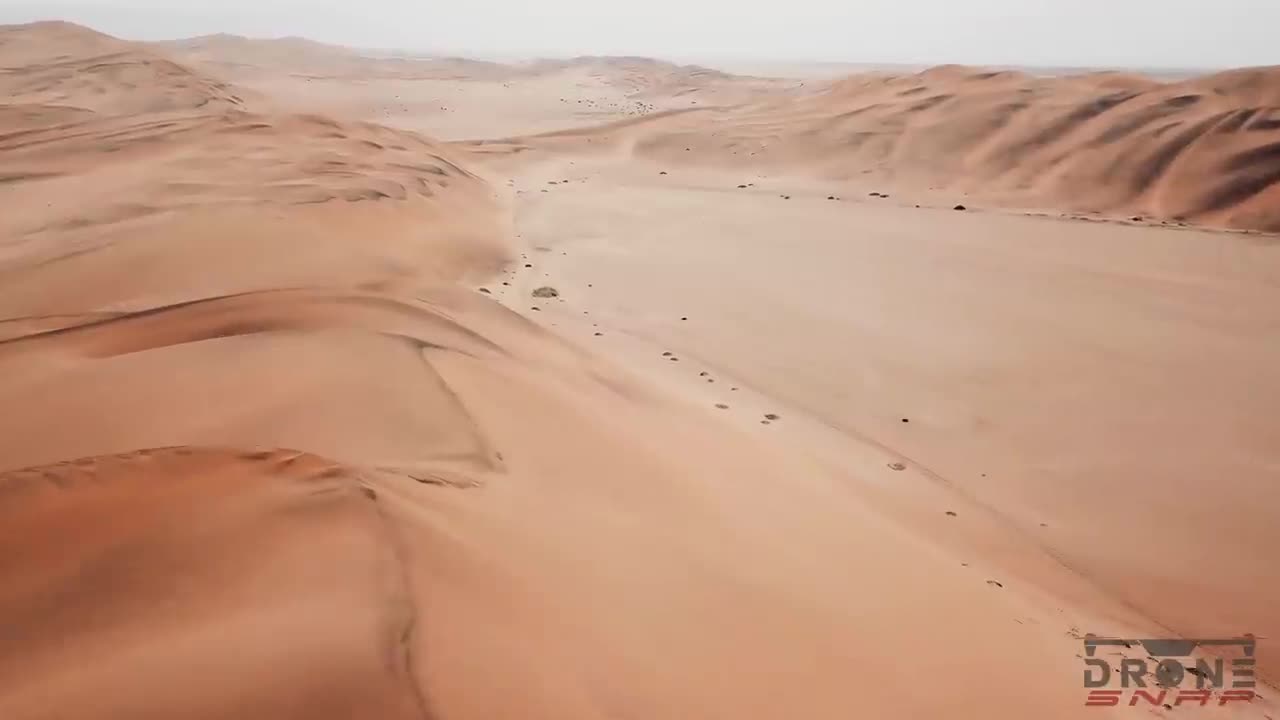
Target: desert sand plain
[291,427]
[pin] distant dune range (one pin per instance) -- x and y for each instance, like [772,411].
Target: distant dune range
[292,428]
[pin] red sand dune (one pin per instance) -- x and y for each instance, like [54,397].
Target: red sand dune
[1205,150]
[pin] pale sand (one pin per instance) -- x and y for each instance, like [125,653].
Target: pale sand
[494,511]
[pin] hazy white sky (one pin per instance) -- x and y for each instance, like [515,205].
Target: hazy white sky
[1127,33]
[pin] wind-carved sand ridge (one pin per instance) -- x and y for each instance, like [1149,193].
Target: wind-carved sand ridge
[310,415]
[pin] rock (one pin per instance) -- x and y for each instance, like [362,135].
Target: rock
[960,207]
[535,308]
[993,583]
[528,265]
[666,354]
[906,420]
[899,467]
[546,291]
[703,374]
[771,416]
[831,197]
[485,291]
[951,513]
[722,406]
[742,187]
[664,172]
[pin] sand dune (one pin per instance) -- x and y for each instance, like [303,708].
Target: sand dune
[59,65]
[1201,150]
[289,434]
[208,195]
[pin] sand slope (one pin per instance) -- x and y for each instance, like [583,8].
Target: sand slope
[63,66]
[120,601]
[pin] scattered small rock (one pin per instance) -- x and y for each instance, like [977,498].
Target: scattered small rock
[664,172]
[899,467]
[764,422]
[722,406]
[772,416]
[504,282]
[703,374]
[1136,218]
[951,513]
[993,583]
[874,194]
[546,291]
[528,265]
[674,359]
[666,354]
[599,334]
